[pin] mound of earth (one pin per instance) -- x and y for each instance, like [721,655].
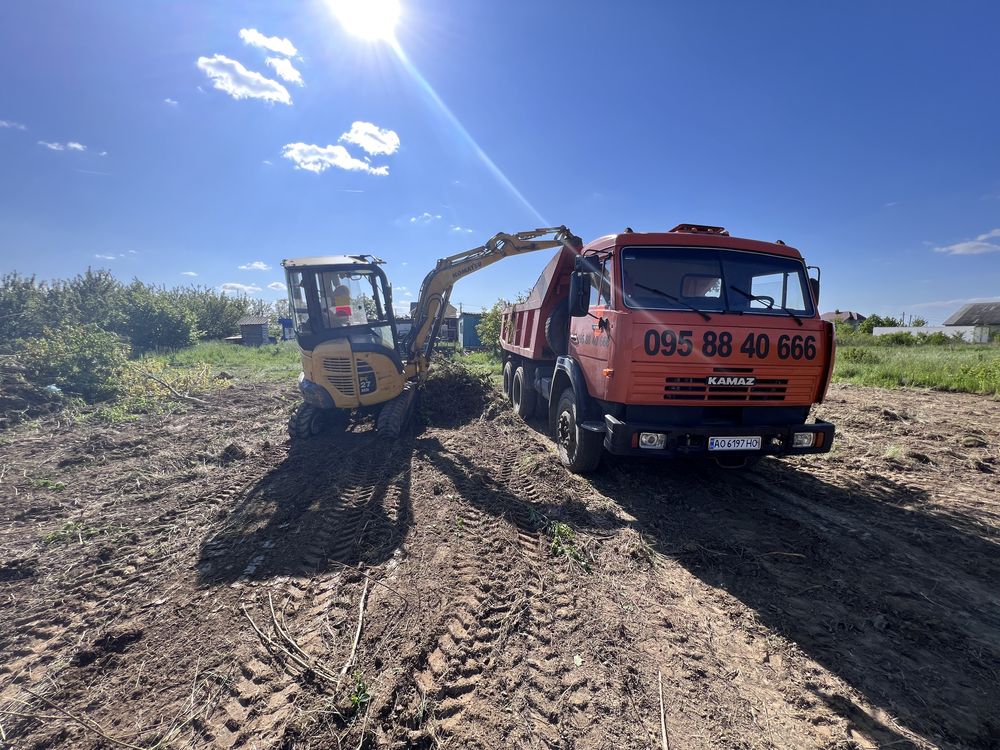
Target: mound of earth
[453,395]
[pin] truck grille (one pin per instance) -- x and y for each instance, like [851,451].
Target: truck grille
[698,389]
[340,374]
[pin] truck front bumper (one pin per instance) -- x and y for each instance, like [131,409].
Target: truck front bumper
[622,439]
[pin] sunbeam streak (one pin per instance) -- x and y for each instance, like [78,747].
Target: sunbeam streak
[449,115]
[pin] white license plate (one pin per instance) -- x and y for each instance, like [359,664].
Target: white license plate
[734,443]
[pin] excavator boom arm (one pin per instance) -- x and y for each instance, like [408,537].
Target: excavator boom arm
[437,285]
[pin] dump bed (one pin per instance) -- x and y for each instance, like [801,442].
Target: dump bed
[522,329]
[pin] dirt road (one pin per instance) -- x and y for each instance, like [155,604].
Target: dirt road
[194,581]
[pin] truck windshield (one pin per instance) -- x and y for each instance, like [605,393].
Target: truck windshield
[350,301]
[703,279]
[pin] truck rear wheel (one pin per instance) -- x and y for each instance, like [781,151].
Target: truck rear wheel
[508,378]
[522,394]
[557,329]
[579,449]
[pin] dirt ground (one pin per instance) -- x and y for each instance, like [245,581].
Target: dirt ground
[195,581]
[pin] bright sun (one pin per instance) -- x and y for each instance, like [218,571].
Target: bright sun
[368,19]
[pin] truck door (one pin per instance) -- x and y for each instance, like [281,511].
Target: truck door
[590,337]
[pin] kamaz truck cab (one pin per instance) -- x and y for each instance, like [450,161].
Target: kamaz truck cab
[682,343]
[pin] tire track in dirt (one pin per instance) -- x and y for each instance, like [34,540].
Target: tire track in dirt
[97,600]
[262,699]
[451,670]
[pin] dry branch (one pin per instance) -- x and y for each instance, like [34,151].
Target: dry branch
[665,741]
[357,635]
[85,723]
[173,390]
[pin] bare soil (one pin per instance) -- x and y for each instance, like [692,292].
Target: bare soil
[196,581]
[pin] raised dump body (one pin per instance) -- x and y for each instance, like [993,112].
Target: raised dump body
[687,342]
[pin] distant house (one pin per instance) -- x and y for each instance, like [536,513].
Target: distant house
[853,319]
[449,325]
[468,337]
[253,330]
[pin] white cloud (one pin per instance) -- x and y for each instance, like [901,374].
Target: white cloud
[230,76]
[407,294]
[11,124]
[982,244]
[317,159]
[103,153]
[273,43]
[52,146]
[257,265]
[232,287]
[267,162]
[105,257]
[424,218]
[285,70]
[188,273]
[74,146]
[463,230]
[133,252]
[171,102]
[278,286]
[373,139]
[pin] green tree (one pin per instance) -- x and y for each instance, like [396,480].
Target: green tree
[152,320]
[877,321]
[488,327]
[918,322]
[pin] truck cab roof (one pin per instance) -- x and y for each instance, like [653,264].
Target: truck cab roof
[691,235]
[330,260]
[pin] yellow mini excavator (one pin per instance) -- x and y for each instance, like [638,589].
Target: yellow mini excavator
[352,355]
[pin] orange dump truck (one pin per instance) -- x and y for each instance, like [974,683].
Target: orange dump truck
[682,343]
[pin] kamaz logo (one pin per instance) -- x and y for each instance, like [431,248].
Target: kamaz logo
[716,380]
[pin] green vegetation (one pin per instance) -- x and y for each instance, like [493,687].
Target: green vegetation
[75,531]
[562,543]
[971,368]
[91,336]
[361,696]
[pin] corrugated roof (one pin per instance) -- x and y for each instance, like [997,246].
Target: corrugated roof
[976,314]
[253,320]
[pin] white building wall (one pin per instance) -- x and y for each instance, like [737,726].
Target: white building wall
[971,334]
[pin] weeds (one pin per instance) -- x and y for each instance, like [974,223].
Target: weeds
[48,484]
[76,531]
[562,543]
[361,696]
[968,368]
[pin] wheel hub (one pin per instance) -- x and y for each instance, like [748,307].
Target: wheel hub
[564,429]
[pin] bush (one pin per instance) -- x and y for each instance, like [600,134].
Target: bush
[935,339]
[151,320]
[82,360]
[901,338]
[215,314]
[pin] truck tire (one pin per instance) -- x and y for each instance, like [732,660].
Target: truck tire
[508,378]
[522,394]
[579,450]
[557,329]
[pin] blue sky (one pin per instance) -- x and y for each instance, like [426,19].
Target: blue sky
[865,134]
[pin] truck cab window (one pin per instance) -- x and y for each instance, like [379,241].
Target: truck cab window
[600,286]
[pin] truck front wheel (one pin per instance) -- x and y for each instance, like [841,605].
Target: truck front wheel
[579,449]
[522,394]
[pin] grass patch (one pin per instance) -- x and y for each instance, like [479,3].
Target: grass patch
[270,362]
[968,368]
[482,363]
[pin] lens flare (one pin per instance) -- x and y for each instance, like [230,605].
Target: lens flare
[460,128]
[368,19]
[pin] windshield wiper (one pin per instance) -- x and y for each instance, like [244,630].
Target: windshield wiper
[672,298]
[767,301]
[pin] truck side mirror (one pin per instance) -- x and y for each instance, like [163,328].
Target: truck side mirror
[579,294]
[814,285]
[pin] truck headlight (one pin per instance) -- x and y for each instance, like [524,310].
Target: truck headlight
[652,440]
[803,439]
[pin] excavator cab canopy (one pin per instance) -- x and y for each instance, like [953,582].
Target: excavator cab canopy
[340,296]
